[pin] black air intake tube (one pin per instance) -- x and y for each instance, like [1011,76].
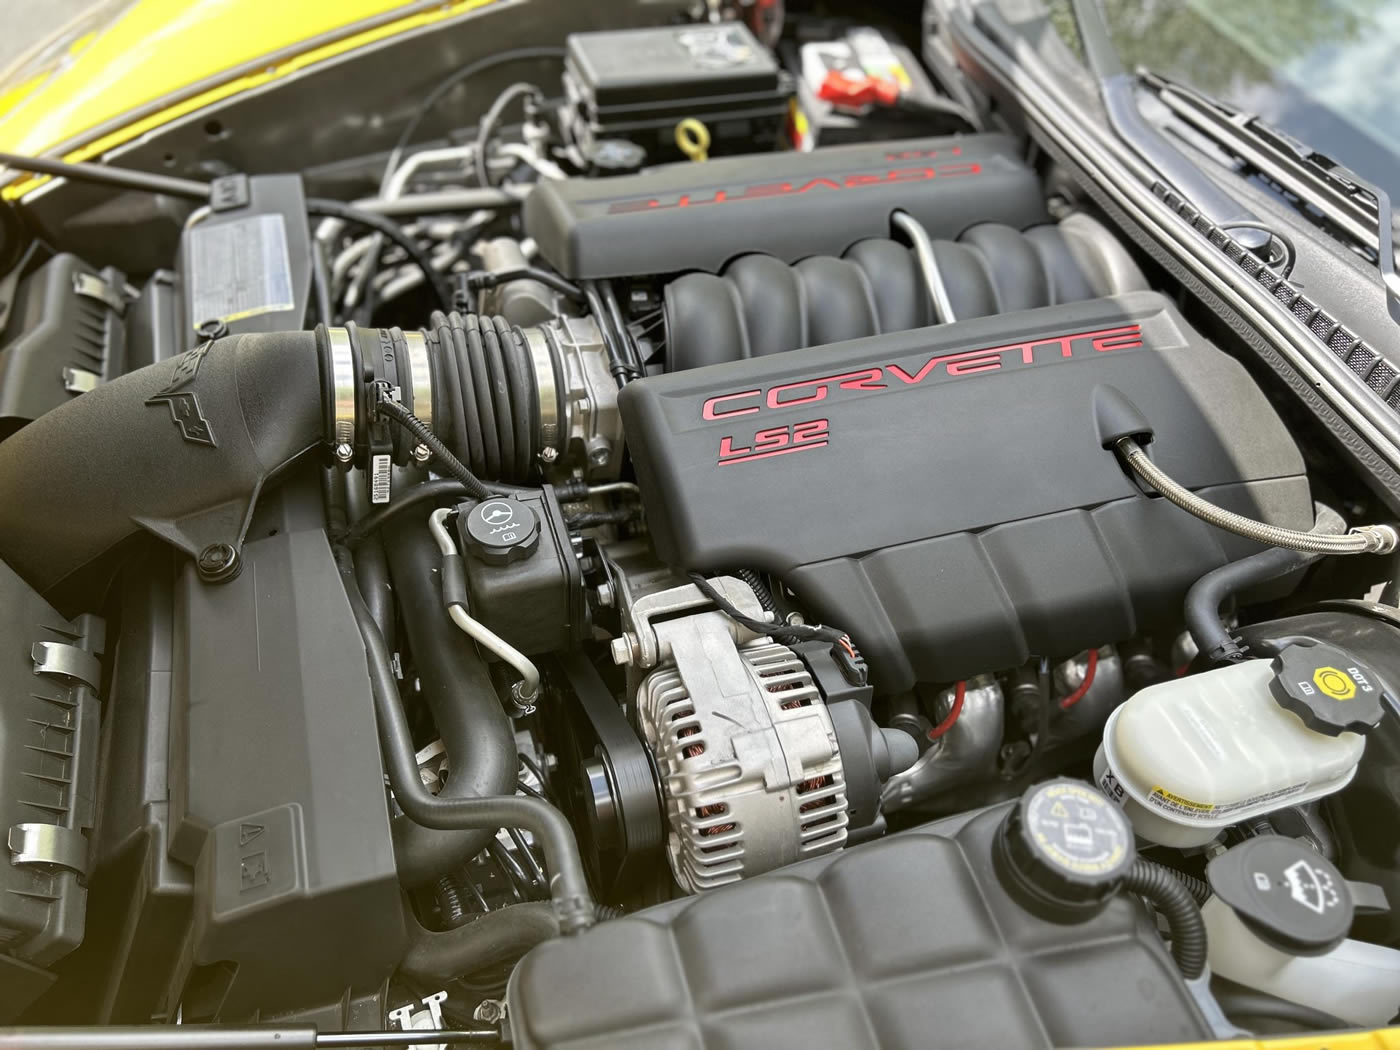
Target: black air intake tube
[181,448]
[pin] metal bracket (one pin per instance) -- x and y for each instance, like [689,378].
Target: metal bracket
[91,286]
[48,844]
[66,661]
[640,646]
[79,380]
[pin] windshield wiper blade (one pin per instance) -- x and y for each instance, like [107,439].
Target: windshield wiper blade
[1117,88]
[1352,206]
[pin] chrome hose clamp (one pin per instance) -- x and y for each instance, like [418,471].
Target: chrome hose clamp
[420,375]
[345,388]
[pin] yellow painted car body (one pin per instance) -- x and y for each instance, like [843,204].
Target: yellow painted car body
[134,65]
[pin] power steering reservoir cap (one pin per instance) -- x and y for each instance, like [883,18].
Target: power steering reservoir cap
[1288,896]
[1063,850]
[1329,689]
[501,530]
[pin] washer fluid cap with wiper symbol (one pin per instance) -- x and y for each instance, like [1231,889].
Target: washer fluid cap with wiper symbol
[1287,895]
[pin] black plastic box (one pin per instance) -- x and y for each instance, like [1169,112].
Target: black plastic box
[638,84]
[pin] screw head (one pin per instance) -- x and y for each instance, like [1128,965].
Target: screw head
[421,453]
[599,456]
[605,595]
[344,452]
[621,651]
[549,454]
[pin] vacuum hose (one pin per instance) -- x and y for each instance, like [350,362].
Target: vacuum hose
[181,448]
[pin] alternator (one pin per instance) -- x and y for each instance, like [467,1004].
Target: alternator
[751,770]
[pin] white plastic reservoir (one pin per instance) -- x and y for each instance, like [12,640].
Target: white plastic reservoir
[1188,757]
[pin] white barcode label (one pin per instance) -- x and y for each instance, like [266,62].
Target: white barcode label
[379,467]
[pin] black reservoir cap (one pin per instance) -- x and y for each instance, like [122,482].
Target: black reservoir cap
[501,531]
[1288,896]
[1328,688]
[1063,850]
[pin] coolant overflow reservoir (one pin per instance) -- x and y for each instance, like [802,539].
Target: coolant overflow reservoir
[1189,757]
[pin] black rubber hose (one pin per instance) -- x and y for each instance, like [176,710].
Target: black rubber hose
[1165,891]
[450,463]
[475,729]
[1209,593]
[572,900]
[372,574]
[496,938]
[619,323]
[330,209]
[491,278]
[622,371]
[417,496]
[1246,1006]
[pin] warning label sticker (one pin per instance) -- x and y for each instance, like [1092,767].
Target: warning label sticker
[1163,799]
[239,269]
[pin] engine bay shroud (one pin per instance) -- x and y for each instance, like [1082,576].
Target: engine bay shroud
[945,493]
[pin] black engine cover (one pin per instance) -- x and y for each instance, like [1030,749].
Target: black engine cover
[944,493]
[699,216]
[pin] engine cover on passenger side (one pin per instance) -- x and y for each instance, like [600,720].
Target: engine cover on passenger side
[790,205]
[944,493]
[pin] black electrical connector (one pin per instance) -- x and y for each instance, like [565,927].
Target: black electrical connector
[843,650]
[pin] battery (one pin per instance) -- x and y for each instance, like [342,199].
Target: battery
[863,54]
[639,84]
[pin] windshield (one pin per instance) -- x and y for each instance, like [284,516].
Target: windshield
[1324,71]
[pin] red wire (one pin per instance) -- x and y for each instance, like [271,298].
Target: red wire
[959,694]
[1083,689]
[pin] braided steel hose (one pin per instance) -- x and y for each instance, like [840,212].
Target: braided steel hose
[1362,539]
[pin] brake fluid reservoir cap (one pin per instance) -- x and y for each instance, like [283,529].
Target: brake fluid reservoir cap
[1063,850]
[1330,690]
[1288,896]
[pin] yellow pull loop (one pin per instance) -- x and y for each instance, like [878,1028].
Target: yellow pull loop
[693,138]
